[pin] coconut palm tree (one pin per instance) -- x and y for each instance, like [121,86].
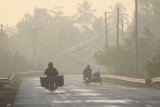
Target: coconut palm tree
[85,15]
[118,15]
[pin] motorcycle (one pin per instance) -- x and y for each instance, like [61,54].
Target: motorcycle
[52,83]
[93,79]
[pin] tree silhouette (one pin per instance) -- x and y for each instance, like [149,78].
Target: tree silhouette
[112,18]
[85,15]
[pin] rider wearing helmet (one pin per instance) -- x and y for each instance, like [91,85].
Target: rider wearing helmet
[51,71]
[87,73]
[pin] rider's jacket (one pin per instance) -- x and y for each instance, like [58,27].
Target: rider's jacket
[87,72]
[51,71]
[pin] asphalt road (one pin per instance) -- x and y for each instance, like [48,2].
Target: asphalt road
[76,94]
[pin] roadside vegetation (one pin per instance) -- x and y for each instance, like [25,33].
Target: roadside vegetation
[8,92]
[122,60]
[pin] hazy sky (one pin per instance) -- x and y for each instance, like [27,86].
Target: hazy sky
[13,10]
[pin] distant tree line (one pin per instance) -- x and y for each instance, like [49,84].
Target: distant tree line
[54,31]
[10,63]
[51,32]
[121,61]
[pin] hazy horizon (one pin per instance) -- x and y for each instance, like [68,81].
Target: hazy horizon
[13,11]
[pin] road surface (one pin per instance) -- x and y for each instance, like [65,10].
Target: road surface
[76,94]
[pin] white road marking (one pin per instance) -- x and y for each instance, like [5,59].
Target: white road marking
[82,90]
[87,94]
[94,101]
[148,105]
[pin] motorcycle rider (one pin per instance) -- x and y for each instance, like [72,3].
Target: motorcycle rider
[51,72]
[87,73]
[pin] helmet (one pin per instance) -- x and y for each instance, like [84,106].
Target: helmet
[50,64]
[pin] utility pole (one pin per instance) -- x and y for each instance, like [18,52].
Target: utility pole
[1,35]
[34,47]
[122,30]
[117,27]
[136,33]
[106,29]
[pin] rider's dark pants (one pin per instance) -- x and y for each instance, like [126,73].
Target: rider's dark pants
[51,83]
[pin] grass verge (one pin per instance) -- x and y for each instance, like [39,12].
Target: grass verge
[8,92]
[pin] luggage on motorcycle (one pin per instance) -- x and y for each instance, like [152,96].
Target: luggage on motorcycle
[43,81]
[59,80]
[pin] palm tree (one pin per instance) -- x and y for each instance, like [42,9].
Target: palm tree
[118,14]
[124,21]
[145,9]
[85,15]
[57,11]
[144,5]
